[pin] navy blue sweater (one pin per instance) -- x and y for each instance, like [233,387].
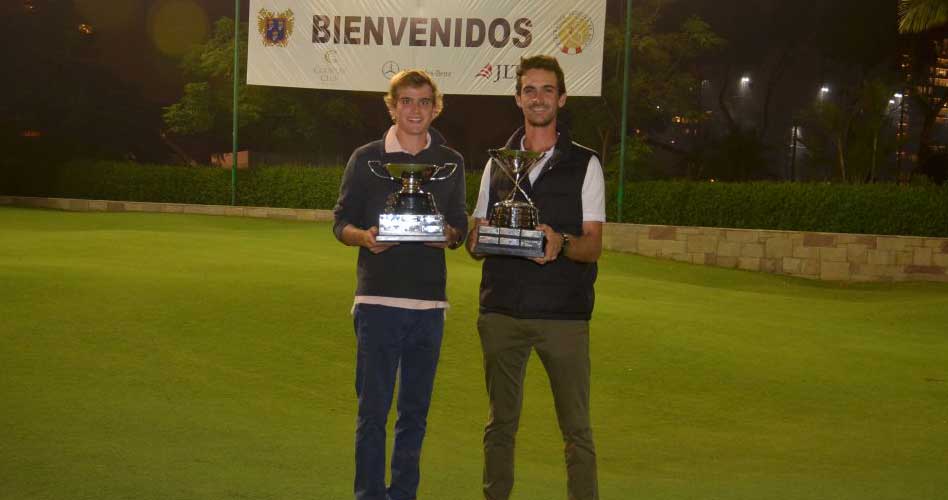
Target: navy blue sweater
[407,270]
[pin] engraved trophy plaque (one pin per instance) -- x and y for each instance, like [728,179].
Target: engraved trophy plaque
[513,221]
[411,213]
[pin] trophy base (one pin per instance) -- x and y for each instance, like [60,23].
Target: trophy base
[411,227]
[506,241]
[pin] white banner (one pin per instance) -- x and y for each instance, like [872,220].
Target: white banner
[469,47]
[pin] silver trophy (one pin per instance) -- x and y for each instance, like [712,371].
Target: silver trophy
[411,214]
[513,221]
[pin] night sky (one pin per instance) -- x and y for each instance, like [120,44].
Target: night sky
[127,38]
[141,41]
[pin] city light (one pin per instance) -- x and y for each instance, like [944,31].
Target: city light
[824,89]
[744,88]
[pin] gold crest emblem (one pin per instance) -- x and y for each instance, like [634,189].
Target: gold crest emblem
[574,32]
[275,29]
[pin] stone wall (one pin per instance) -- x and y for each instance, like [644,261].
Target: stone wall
[174,208]
[824,256]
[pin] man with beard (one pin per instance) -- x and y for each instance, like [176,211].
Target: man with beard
[400,298]
[545,303]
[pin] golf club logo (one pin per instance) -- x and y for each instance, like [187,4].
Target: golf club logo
[574,31]
[275,29]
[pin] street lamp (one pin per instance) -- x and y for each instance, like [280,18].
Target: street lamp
[744,88]
[745,83]
[900,131]
[824,91]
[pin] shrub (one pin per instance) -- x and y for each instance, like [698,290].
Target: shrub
[910,210]
[839,208]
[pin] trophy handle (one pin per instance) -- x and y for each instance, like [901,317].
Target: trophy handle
[514,180]
[373,164]
[510,176]
[452,166]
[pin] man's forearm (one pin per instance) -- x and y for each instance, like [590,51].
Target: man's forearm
[586,247]
[472,239]
[352,236]
[583,249]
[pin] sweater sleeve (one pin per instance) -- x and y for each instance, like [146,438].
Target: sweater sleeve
[455,211]
[349,204]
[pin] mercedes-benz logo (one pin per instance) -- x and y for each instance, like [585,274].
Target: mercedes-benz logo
[389,69]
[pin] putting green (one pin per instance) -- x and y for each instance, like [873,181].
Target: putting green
[155,356]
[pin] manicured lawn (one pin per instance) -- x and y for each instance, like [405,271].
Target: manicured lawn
[149,356]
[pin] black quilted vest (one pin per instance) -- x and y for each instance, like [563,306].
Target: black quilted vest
[562,289]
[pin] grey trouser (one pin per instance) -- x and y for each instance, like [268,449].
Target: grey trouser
[563,347]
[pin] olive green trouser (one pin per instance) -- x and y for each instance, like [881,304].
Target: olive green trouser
[563,347]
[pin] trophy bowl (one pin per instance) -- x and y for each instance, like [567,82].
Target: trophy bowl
[410,213]
[513,221]
[515,214]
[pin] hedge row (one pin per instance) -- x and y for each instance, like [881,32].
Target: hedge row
[868,209]
[283,186]
[836,208]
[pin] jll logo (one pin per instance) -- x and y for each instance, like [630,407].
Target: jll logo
[496,72]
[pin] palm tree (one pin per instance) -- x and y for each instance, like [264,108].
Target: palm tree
[916,16]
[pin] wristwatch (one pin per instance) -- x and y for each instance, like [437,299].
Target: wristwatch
[457,240]
[566,241]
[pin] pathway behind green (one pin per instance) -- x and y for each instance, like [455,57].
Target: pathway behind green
[154,356]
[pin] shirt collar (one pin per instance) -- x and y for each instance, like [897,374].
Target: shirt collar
[393,146]
[546,154]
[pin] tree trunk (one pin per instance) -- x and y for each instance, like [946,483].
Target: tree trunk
[722,99]
[841,156]
[925,136]
[604,151]
[182,154]
[782,63]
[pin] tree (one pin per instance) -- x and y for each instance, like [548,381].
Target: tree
[662,85]
[916,16]
[854,130]
[320,124]
[753,84]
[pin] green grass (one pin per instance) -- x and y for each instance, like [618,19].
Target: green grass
[152,356]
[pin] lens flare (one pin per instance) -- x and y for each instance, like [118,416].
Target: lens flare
[176,25]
